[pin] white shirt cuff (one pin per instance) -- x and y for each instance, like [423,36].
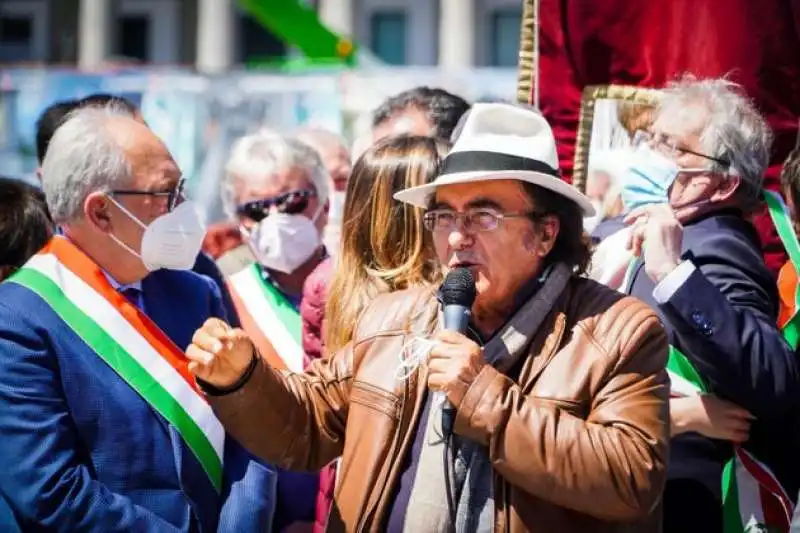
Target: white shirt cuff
[674,281]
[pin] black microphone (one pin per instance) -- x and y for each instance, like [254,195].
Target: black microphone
[457,294]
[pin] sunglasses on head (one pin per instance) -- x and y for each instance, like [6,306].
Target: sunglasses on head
[291,203]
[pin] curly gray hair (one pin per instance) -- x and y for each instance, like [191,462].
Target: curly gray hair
[733,131]
[255,157]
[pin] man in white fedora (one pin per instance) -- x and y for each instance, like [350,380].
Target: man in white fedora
[556,417]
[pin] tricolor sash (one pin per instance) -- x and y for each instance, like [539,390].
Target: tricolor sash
[790,326]
[753,499]
[269,318]
[77,290]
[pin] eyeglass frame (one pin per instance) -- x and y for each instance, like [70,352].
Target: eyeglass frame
[174,197]
[676,150]
[265,204]
[462,216]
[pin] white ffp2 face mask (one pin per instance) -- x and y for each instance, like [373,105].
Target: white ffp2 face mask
[171,241]
[283,242]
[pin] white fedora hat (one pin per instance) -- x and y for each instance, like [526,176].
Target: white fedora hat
[501,141]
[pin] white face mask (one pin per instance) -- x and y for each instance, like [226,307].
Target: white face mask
[283,242]
[171,241]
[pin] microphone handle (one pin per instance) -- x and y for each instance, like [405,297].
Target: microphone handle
[456,318]
[448,414]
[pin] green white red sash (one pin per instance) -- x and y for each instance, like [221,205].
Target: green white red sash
[752,497]
[269,318]
[783,224]
[129,342]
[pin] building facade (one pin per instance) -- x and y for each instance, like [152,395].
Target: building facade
[214,35]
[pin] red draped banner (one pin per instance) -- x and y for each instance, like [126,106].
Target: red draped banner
[648,42]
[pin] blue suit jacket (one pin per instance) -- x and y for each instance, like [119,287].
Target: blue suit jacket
[207,267]
[723,318]
[606,228]
[82,451]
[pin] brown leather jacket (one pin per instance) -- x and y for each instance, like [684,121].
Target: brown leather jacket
[578,444]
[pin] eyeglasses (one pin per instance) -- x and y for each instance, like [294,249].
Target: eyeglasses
[669,146]
[174,197]
[291,203]
[471,220]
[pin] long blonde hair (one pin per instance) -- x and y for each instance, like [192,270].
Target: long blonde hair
[384,246]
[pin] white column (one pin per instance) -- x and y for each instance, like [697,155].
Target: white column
[337,15]
[215,35]
[456,34]
[95,28]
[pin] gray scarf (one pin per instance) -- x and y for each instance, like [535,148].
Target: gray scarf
[453,487]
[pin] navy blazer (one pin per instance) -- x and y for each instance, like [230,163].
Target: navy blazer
[82,451]
[207,267]
[723,318]
[606,228]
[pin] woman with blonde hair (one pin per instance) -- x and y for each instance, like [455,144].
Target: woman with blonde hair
[384,247]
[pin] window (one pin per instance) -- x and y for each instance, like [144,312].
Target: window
[388,36]
[258,43]
[16,38]
[134,36]
[505,32]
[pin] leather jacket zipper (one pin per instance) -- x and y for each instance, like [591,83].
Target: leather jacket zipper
[383,481]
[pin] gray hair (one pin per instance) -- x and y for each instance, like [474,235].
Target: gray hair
[83,157]
[734,130]
[320,139]
[254,158]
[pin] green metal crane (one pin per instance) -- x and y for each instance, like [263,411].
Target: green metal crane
[298,25]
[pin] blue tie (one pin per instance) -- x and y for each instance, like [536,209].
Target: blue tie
[134,295]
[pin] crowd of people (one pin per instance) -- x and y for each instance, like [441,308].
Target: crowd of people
[292,368]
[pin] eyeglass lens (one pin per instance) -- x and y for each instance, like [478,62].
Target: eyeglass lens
[481,220]
[291,203]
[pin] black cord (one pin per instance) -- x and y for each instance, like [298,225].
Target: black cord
[452,506]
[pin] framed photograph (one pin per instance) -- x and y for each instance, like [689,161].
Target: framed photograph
[609,117]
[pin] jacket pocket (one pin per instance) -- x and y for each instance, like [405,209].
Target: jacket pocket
[375,399]
[574,407]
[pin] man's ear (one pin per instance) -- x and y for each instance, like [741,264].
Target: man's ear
[727,188]
[96,211]
[549,227]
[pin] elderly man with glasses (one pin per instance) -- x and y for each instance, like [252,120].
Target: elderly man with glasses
[695,178]
[546,412]
[276,189]
[104,430]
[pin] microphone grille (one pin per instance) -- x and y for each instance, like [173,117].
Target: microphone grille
[458,288]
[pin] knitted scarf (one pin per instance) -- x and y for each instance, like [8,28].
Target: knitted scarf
[453,487]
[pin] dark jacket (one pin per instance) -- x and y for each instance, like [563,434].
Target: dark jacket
[723,318]
[206,266]
[81,450]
